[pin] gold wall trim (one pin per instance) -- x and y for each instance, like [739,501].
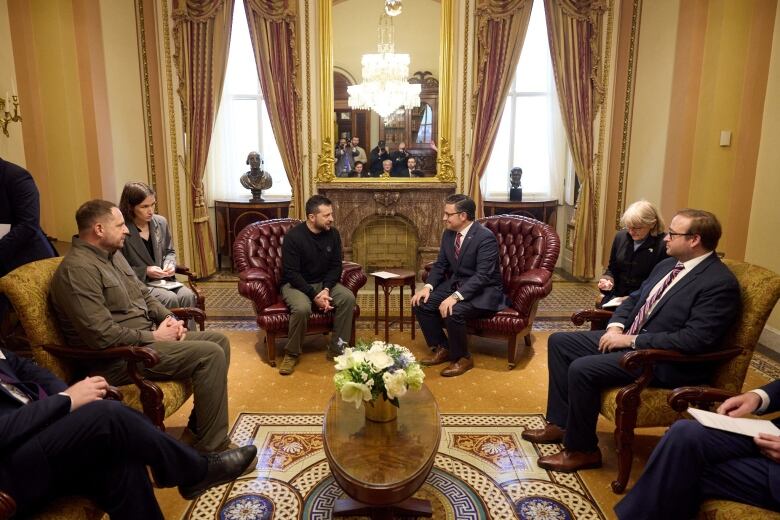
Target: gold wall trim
[141,31]
[309,140]
[464,93]
[597,188]
[325,160]
[628,111]
[172,128]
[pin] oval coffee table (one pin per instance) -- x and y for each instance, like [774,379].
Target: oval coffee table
[381,465]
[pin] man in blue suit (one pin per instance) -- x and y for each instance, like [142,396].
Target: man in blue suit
[693,462]
[687,304]
[464,283]
[59,440]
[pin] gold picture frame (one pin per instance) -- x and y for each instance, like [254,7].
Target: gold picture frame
[445,164]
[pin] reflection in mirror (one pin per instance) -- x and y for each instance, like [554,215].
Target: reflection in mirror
[416,32]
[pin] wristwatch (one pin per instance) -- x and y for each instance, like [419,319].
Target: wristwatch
[633,344]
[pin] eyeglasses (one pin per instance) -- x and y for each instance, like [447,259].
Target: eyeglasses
[448,215]
[672,234]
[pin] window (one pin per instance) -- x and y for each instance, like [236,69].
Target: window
[530,134]
[242,124]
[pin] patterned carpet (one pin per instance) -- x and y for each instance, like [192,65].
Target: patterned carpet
[483,469]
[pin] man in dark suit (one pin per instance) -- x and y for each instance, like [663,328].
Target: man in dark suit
[464,283]
[56,440]
[20,208]
[687,304]
[693,462]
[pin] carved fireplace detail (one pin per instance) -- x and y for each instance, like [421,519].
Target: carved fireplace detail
[419,204]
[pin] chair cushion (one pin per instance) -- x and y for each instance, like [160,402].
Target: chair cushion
[653,409]
[175,394]
[72,508]
[726,510]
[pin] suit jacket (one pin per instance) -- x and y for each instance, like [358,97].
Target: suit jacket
[136,253]
[18,421]
[476,271]
[692,316]
[629,268]
[20,206]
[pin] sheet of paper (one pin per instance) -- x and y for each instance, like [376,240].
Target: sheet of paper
[614,302]
[164,284]
[384,274]
[741,425]
[4,229]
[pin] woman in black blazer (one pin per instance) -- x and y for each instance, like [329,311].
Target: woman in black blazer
[635,251]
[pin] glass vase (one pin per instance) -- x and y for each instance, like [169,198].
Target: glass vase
[380,410]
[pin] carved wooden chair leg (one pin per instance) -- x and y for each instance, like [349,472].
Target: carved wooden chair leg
[512,351]
[625,422]
[527,339]
[270,344]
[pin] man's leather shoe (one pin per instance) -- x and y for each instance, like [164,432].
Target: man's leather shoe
[550,434]
[440,355]
[567,461]
[222,467]
[458,367]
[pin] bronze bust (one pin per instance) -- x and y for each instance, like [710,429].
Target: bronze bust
[256,179]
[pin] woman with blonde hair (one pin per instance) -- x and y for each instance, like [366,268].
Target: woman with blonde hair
[636,250]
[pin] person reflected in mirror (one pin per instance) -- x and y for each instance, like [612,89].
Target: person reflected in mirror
[359,170]
[387,169]
[410,170]
[149,247]
[361,153]
[636,250]
[399,158]
[345,158]
[378,155]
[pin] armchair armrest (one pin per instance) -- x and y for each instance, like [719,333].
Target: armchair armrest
[637,359]
[134,354]
[352,276]
[184,270]
[681,398]
[114,394]
[258,286]
[7,506]
[191,313]
[200,298]
[595,316]
[537,277]
[255,274]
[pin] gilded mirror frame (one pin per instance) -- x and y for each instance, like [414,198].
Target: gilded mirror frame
[445,163]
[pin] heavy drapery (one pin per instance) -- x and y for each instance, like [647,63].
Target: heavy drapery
[574,28]
[274,40]
[202,36]
[501,28]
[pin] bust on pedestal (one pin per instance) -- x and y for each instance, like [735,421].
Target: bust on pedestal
[516,192]
[256,179]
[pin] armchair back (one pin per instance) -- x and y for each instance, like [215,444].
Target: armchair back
[260,247]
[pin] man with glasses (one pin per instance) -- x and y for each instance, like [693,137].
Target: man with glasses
[469,252]
[687,304]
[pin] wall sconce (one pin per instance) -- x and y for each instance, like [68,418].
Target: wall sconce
[6,116]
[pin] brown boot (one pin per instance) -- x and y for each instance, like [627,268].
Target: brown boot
[440,355]
[568,461]
[550,434]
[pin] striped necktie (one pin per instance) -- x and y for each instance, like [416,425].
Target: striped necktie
[457,245]
[644,312]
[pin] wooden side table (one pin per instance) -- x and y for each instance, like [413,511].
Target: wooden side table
[543,210]
[405,277]
[234,215]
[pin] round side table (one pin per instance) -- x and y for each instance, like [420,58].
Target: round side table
[404,278]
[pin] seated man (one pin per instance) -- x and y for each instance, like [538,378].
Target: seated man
[311,258]
[687,304]
[474,290]
[56,441]
[100,303]
[693,462]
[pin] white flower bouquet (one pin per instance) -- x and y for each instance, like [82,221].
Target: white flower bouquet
[371,370]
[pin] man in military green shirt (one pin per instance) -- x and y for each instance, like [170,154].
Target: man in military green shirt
[100,303]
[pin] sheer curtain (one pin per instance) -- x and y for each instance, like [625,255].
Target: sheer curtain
[531,133]
[242,125]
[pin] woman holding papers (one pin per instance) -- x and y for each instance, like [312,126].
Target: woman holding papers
[149,248]
[693,462]
[635,251]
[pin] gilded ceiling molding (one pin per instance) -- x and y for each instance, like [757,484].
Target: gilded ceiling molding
[628,112]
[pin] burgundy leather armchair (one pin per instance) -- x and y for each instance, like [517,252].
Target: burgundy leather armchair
[257,257]
[528,250]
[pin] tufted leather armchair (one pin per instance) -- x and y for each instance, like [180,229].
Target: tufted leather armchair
[257,257]
[528,250]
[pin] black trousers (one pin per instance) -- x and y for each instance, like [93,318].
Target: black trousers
[433,325]
[100,451]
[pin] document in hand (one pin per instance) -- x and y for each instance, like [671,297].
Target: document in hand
[613,303]
[741,425]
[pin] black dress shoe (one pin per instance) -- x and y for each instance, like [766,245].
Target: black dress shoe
[222,467]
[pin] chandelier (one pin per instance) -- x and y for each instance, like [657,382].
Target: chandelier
[385,87]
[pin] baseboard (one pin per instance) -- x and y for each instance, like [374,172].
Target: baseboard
[770,339]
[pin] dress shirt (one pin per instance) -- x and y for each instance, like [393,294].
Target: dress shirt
[463,232]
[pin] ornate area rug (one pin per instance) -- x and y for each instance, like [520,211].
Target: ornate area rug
[483,470]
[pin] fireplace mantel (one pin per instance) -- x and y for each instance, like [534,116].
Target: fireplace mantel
[421,203]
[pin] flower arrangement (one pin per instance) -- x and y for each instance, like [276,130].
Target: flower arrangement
[368,371]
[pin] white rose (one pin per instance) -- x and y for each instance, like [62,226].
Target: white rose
[395,383]
[355,393]
[379,359]
[377,345]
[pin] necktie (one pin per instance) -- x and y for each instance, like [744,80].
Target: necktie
[32,390]
[653,299]
[457,245]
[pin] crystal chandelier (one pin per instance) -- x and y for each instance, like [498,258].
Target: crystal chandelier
[385,87]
